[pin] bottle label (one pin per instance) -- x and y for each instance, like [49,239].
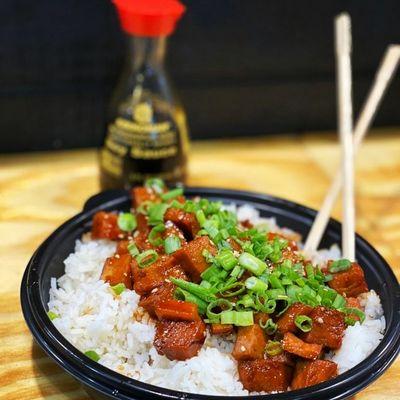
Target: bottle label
[139,139]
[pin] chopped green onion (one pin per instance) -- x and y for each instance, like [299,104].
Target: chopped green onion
[245,302]
[92,355]
[238,318]
[275,282]
[355,311]
[52,315]
[339,302]
[252,263]
[199,291]
[176,204]
[276,294]
[211,227]
[201,218]
[232,290]
[133,250]
[350,321]
[154,237]
[269,326]
[190,206]
[172,244]
[255,284]
[172,194]
[236,272]
[184,295]
[211,272]
[339,265]
[208,256]
[205,284]
[303,322]
[226,259]
[265,305]
[142,208]
[309,271]
[156,213]
[156,184]
[273,348]
[146,258]
[118,288]
[127,222]
[222,305]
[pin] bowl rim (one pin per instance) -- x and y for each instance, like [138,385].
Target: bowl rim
[115,385]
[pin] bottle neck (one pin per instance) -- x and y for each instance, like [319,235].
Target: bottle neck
[147,52]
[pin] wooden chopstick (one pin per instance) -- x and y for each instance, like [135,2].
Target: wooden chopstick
[345,125]
[383,77]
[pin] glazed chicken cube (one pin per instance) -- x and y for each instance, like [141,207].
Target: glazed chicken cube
[286,321]
[176,310]
[117,269]
[122,247]
[105,226]
[250,343]
[351,282]
[292,344]
[141,194]
[191,258]
[221,329]
[179,340]
[265,375]
[308,373]
[172,230]
[142,224]
[327,328]
[148,278]
[162,293]
[185,221]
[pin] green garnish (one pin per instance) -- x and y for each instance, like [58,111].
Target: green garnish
[273,348]
[118,288]
[252,263]
[354,311]
[340,265]
[184,295]
[156,213]
[238,318]
[52,315]
[226,259]
[133,250]
[156,184]
[216,308]
[198,290]
[127,222]
[146,258]
[154,235]
[303,322]
[172,244]
[92,355]
[172,194]
[269,326]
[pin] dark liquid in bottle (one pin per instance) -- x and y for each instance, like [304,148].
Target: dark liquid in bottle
[143,143]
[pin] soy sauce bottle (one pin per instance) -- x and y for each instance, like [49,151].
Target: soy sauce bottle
[147,135]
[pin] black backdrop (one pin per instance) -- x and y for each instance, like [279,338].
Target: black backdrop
[243,67]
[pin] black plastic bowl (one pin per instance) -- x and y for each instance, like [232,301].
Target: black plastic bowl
[103,383]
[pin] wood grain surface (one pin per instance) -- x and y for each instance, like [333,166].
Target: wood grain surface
[40,191]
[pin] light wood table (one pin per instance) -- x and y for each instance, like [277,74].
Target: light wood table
[40,191]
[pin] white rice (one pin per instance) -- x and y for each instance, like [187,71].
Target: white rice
[91,317]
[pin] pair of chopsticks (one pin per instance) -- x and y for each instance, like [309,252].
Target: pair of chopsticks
[350,141]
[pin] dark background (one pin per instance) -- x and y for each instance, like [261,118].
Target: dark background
[242,67]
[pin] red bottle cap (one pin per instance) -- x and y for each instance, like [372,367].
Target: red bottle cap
[149,17]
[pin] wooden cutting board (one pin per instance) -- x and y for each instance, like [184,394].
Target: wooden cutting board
[40,191]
